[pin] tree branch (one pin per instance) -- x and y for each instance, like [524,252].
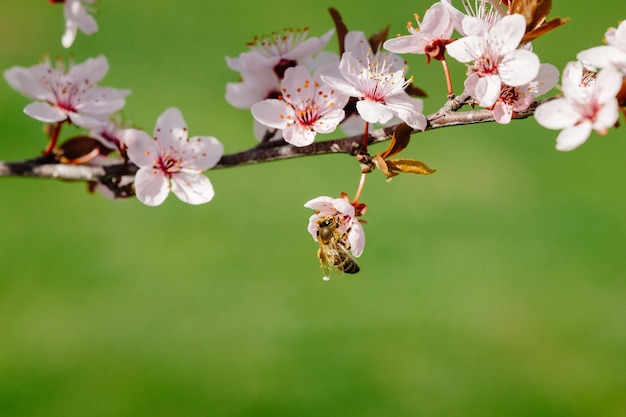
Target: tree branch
[110,176]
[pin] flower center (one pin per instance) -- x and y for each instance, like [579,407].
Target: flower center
[168,163]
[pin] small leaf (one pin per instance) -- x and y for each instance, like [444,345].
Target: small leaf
[341,28]
[381,164]
[543,29]
[377,39]
[535,12]
[414,91]
[409,166]
[399,140]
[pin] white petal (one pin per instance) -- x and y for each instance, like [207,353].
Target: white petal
[546,79]
[298,135]
[519,67]
[502,113]
[45,112]
[30,82]
[461,49]
[171,128]
[409,44]
[607,116]
[484,89]
[607,85]
[203,152]
[141,148]
[319,203]
[557,114]
[93,70]
[341,85]
[572,137]
[151,186]
[506,34]
[373,112]
[273,113]
[356,237]
[192,188]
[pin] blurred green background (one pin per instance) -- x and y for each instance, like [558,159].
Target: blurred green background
[494,287]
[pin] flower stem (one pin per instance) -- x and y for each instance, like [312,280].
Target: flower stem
[54,136]
[360,189]
[446,71]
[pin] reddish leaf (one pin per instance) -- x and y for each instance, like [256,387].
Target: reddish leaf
[535,12]
[341,28]
[377,39]
[399,140]
[78,150]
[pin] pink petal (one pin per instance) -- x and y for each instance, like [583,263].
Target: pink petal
[574,136]
[356,237]
[319,203]
[409,44]
[192,188]
[298,135]
[171,128]
[484,89]
[520,67]
[463,49]
[151,186]
[437,22]
[30,82]
[205,152]
[506,34]
[273,113]
[557,114]
[547,78]
[45,112]
[92,70]
[373,112]
[141,148]
[502,113]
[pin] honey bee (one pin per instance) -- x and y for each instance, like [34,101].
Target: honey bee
[334,247]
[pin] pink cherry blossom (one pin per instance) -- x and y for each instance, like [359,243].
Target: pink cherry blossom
[263,66]
[377,80]
[432,33]
[495,59]
[517,99]
[587,104]
[76,17]
[478,18]
[305,107]
[611,55]
[171,161]
[345,212]
[67,95]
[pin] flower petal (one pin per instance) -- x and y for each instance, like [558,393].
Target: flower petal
[141,148]
[205,152]
[574,136]
[273,113]
[151,186]
[373,112]
[171,128]
[192,188]
[45,112]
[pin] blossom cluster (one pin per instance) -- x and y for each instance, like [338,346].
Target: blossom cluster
[290,85]
[166,161]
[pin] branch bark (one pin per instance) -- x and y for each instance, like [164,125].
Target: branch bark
[49,167]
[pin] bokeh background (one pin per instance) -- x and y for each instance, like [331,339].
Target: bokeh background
[495,287]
